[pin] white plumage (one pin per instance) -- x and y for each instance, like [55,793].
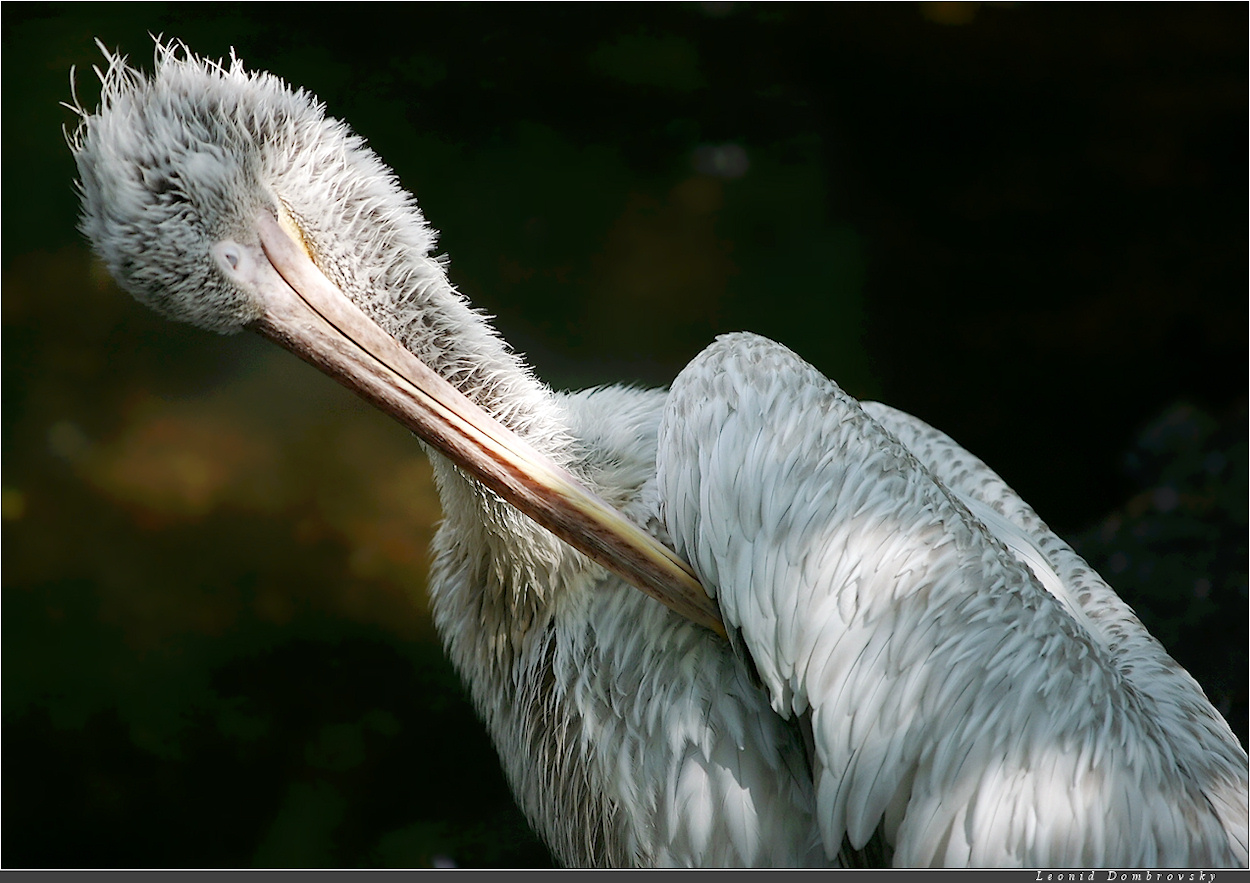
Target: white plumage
[953,700]
[918,671]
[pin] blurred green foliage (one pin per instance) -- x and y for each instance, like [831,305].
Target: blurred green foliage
[1023,223]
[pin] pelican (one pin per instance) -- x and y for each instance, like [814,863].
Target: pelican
[854,643]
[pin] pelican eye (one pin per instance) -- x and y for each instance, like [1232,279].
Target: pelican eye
[229,254]
[238,263]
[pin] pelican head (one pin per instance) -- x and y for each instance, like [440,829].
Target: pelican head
[175,170]
[170,206]
[226,199]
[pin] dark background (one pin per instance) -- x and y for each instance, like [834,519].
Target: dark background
[1025,224]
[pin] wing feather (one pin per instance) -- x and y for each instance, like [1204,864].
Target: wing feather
[1175,700]
[957,663]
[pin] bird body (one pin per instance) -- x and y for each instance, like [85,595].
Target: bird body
[916,669]
[628,734]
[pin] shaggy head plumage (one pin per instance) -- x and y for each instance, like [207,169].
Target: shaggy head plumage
[173,165]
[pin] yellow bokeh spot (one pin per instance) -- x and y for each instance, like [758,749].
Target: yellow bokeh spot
[12,504]
[949,13]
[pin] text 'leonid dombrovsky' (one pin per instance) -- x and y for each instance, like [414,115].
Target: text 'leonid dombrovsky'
[1109,876]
